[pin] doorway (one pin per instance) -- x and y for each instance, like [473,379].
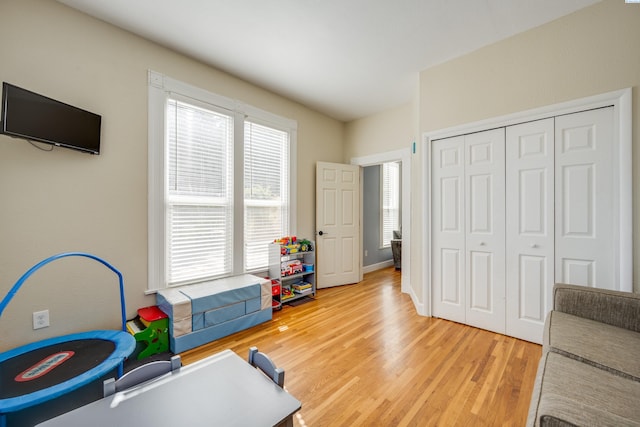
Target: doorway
[381,216]
[404,158]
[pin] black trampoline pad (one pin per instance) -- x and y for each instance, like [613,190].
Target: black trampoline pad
[87,354]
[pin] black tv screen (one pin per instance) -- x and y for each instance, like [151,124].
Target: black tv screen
[27,115]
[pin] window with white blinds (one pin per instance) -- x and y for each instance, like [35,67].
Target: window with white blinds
[266,191]
[219,184]
[199,199]
[390,201]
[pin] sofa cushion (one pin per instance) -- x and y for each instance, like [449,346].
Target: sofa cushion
[571,393]
[617,308]
[601,345]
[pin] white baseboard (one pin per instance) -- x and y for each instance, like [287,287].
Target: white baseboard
[420,307]
[378,266]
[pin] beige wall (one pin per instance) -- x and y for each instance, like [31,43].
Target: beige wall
[592,51]
[64,200]
[386,131]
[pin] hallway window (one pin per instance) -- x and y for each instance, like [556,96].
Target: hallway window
[390,202]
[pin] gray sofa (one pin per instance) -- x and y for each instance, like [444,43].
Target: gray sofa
[589,373]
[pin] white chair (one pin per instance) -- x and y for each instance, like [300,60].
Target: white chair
[140,374]
[266,365]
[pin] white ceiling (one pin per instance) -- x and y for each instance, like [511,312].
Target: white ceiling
[345,58]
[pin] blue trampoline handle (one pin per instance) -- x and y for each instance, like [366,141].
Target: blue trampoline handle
[32,270]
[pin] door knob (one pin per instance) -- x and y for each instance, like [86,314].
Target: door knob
[320,232]
[482,243]
[533,245]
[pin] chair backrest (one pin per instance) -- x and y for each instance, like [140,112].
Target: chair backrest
[266,365]
[140,374]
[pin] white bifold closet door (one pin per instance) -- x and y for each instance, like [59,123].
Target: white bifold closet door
[468,229]
[515,210]
[530,226]
[586,247]
[448,232]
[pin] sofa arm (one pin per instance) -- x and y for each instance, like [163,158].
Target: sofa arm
[617,308]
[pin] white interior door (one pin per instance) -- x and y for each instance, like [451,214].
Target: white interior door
[448,228]
[337,224]
[485,224]
[530,227]
[585,241]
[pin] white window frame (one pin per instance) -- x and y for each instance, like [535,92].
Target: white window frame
[159,89]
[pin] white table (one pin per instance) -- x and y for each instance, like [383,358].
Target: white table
[221,390]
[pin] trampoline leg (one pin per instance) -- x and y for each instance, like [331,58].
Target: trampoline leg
[3,420]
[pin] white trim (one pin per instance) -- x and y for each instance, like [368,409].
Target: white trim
[621,101]
[377,266]
[596,101]
[426,227]
[155,188]
[238,196]
[421,307]
[293,181]
[381,208]
[625,165]
[403,156]
[261,116]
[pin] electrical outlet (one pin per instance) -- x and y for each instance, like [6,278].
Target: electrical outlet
[40,319]
[366,252]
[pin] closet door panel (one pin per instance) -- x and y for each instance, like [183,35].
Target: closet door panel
[481,281]
[451,282]
[532,291]
[585,243]
[530,227]
[485,222]
[447,228]
[480,207]
[578,271]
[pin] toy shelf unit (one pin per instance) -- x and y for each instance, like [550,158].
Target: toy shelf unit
[292,271]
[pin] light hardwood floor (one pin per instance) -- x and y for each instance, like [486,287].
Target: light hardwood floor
[359,355]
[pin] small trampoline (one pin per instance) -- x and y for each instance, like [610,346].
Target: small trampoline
[39,372]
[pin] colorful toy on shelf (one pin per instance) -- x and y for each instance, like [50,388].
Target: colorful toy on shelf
[287,293]
[289,268]
[291,245]
[285,241]
[305,245]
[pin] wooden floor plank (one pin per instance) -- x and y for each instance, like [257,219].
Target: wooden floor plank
[360,355]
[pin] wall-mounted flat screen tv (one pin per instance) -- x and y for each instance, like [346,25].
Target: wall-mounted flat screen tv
[34,117]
